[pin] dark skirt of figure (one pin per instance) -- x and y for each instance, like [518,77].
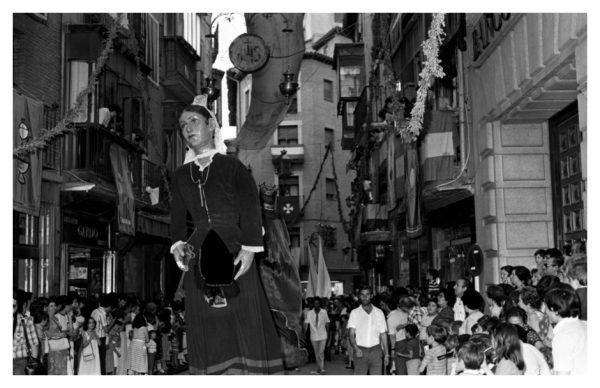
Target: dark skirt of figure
[239,338]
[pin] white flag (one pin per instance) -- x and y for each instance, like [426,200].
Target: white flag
[323,288]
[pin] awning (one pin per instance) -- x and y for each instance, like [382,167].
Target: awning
[152,224]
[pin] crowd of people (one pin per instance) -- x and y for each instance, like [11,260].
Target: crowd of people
[534,323]
[114,334]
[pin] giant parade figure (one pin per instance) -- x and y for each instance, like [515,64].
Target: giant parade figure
[230,327]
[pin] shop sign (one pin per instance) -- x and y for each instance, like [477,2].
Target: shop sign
[486,29]
[84,231]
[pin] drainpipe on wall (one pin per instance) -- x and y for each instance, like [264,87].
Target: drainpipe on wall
[461,108]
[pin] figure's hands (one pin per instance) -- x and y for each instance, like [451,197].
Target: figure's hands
[246,258]
[179,255]
[358,353]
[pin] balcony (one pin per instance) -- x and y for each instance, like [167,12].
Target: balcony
[295,153]
[87,150]
[179,77]
[366,113]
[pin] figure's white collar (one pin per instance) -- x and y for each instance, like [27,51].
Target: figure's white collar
[204,158]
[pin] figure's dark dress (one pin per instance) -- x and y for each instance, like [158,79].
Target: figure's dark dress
[241,337]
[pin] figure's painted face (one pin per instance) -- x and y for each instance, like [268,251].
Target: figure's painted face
[195,129]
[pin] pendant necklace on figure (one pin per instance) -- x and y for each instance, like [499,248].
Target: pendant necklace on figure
[201,184]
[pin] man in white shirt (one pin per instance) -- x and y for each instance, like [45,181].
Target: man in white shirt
[318,321]
[99,316]
[569,345]
[459,289]
[397,321]
[368,336]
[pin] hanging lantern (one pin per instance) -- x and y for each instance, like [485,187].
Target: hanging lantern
[288,87]
[211,91]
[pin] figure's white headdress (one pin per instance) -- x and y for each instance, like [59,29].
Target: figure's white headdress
[220,146]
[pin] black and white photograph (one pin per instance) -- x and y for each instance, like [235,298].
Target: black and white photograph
[300,193]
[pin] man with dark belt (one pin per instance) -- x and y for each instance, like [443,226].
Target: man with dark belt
[368,336]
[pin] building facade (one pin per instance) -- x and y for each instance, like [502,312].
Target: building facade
[96,217]
[501,159]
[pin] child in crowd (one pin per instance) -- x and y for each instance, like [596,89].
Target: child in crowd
[151,345]
[455,327]
[408,352]
[471,360]
[427,319]
[433,282]
[577,276]
[452,345]
[436,336]
[507,347]
[473,303]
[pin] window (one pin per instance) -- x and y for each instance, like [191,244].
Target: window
[329,138]
[328,90]
[289,186]
[25,229]
[287,135]
[79,73]
[351,81]
[152,47]
[330,188]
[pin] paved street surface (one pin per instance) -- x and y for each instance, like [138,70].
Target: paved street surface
[334,367]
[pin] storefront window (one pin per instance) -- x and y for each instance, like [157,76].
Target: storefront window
[90,271]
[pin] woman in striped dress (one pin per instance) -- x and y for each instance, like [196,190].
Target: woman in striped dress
[138,355]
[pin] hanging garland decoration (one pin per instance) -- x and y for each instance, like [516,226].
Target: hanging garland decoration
[339,200]
[431,69]
[66,124]
[314,187]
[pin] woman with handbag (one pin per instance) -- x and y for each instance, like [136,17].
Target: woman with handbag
[89,361]
[25,343]
[58,343]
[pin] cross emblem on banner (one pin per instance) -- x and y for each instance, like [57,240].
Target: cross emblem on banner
[288,208]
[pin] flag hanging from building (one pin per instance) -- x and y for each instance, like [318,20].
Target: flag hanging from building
[437,149]
[267,105]
[126,203]
[391,171]
[27,125]
[413,192]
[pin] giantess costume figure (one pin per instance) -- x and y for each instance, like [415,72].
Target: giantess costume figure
[281,281]
[229,327]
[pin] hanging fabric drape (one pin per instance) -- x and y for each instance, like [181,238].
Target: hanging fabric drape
[27,169]
[413,192]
